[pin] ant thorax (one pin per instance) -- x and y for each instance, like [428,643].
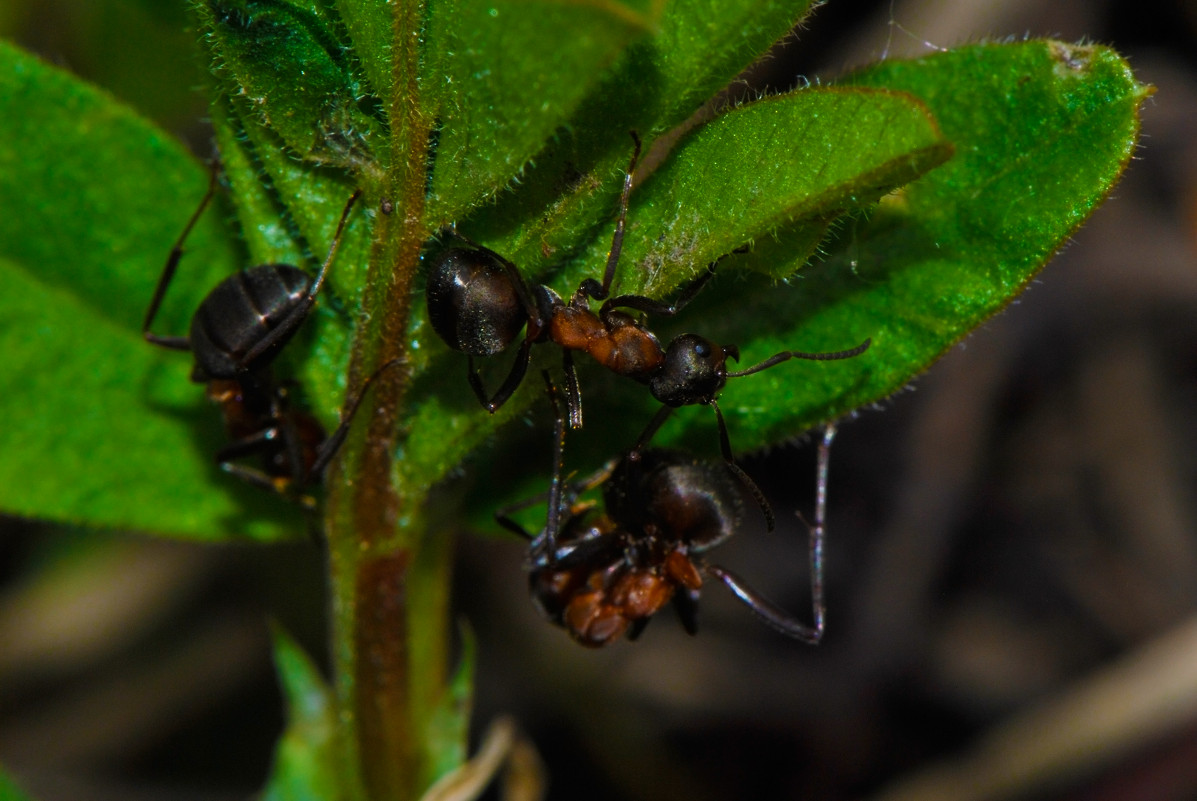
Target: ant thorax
[616,340]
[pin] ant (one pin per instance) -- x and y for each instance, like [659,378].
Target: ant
[237,331]
[478,302]
[292,446]
[600,576]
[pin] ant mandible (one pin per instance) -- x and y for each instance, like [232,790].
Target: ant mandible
[236,333]
[600,576]
[478,302]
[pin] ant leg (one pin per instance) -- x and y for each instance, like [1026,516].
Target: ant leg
[168,274]
[284,429]
[745,479]
[510,383]
[771,615]
[297,315]
[637,628]
[649,432]
[293,447]
[256,442]
[818,531]
[331,445]
[650,306]
[247,445]
[504,519]
[259,478]
[574,401]
[569,494]
[544,545]
[503,514]
[538,550]
[590,287]
[786,355]
[766,611]
[685,603]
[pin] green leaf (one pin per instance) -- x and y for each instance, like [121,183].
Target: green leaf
[931,263]
[802,159]
[798,159]
[701,46]
[101,428]
[9,791]
[1042,132]
[371,28]
[485,80]
[305,760]
[697,48]
[449,727]
[295,76]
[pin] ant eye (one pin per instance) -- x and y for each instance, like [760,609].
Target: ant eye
[701,349]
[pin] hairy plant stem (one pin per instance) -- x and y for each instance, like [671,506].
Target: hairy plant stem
[389,578]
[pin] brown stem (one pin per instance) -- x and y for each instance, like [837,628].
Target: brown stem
[389,590]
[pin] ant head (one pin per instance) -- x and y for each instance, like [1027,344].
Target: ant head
[694,371]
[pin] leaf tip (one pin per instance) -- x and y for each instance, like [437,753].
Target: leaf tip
[1079,60]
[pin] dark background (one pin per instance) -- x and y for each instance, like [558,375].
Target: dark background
[1012,552]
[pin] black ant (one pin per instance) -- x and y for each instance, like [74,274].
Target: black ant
[292,446]
[601,575]
[478,302]
[236,333]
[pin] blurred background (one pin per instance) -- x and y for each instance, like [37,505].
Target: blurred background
[1012,555]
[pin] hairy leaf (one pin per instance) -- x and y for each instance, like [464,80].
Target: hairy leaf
[1042,131]
[697,48]
[100,427]
[496,103]
[305,759]
[764,166]
[294,75]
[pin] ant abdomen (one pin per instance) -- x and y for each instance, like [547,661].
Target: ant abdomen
[240,312]
[696,503]
[473,303]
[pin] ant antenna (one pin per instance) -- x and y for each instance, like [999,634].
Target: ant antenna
[786,355]
[336,243]
[333,443]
